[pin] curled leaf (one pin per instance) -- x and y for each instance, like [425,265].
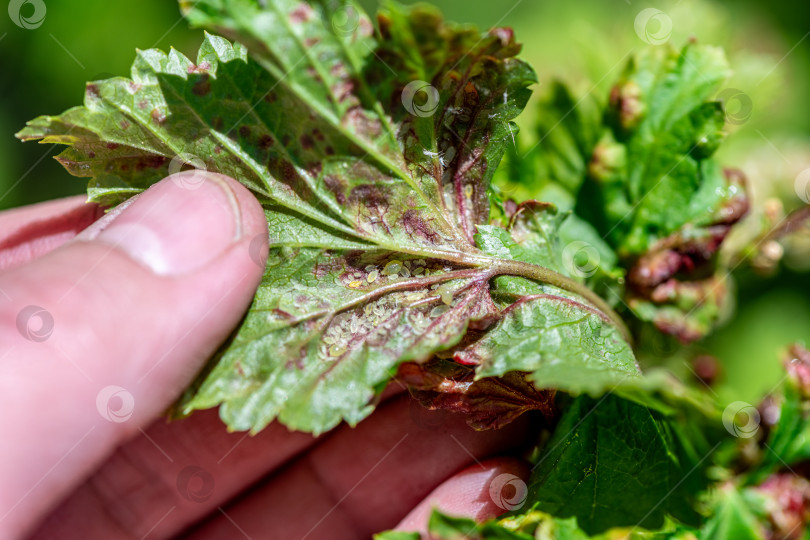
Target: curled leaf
[374,182]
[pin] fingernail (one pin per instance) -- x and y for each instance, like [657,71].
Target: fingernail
[178,225]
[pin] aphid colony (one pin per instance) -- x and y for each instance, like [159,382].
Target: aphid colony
[411,311]
[393,269]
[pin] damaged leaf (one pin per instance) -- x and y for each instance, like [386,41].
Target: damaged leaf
[488,403]
[375,188]
[640,169]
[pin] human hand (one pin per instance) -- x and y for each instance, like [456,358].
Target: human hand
[100,333]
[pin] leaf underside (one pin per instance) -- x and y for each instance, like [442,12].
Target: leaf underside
[372,147]
[376,197]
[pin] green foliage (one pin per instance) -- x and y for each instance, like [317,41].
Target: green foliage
[532,525]
[373,148]
[373,206]
[612,463]
[638,167]
[733,518]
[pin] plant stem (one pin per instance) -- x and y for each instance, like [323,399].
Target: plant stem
[497,266]
[545,275]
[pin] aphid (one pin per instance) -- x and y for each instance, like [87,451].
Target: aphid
[392,268]
[355,284]
[418,320]
[418,271]
[336,350]
[372,276]
[370,268]
[446,293]
[450,154]
[468,191]
[404,272]
[407,264]
[439,310]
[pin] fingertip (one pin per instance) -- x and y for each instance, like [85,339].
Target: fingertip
[109,328]
[184,222]
[482,491]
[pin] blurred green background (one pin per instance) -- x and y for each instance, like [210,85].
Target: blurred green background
[586,43]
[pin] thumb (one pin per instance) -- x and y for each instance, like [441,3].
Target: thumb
[98,337]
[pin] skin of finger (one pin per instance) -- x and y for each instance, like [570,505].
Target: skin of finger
[141,488]
[116,324]
[145,486]
[31,231]
[467,494]
[361,481]
[16,219]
